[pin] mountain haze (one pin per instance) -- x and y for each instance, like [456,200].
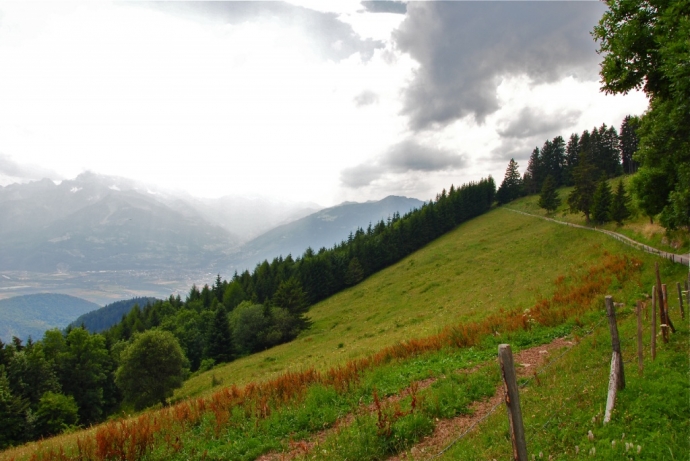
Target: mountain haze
[324,228]
[32,315]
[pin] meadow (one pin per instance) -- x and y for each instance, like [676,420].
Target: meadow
[502,277]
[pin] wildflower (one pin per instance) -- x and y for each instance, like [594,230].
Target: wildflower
[590,435]
[639,449]
[577,449]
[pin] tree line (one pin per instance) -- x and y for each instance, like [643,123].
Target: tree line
[585,162]
[75,378]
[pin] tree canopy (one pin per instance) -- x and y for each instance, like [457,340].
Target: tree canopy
[151,368]
[645,46]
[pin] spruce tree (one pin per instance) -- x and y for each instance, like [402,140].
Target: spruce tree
[601,204]
[548,199]
[582,195]
[511,187]
[219,346]
[620,205]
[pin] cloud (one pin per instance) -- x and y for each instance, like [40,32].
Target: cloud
[12,171]
[330,38]
[465,48]
[380,6]
[404,157]
[366,98]
[531,122]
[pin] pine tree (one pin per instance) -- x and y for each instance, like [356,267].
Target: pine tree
[511,187]
[219,346]
[535,171]
[549,199]
[601,204]
[620,205]
[582,195]
[628,143]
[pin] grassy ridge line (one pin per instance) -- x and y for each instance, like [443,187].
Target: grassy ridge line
[500,260]
[673,257]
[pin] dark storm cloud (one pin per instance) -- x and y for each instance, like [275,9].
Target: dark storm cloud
[366,98]
[331,38]
[465,48]
[24,172]
[531,122]
[404,157]
[528,129]
[380,6]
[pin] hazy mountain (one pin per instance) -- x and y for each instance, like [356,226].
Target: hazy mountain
[100,223]
[321,229]
[32,315]
[248,216]
[109,315]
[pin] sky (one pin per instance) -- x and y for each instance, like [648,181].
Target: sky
[305,100]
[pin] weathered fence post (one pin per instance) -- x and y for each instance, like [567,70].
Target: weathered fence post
[617,375]
[615,341]
[666,310]
[653,344]
[660,302]
[640,362]
[512,399]
[680,301]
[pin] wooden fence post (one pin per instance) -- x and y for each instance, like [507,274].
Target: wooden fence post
[666,312]
[660,302]
[640,362]
[653,344]
[615,341]
[617,375]
[680,301]
[512,399]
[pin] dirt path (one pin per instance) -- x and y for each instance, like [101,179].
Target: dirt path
[680,259]
[527,363]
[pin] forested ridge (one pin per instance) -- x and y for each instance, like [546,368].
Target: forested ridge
[74,378]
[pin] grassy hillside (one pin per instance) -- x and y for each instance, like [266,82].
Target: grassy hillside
[32,315]
[636,227]
[501,261]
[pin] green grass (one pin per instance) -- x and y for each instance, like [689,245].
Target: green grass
[501,260]
[637,227]
[569,400]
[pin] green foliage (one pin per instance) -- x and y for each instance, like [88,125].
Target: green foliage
[12,414]
[511,187]
[601,204]
[645,46]
[85,369]
[549,199]
[151,368]
[651,189]
[620,204]
[219,347]
[55,413]
[355,273]
[581,198]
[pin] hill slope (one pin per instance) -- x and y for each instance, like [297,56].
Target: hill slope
[497,261]
[108,315]
[32,315]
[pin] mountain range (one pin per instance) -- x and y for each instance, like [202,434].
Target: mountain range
[107,238]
